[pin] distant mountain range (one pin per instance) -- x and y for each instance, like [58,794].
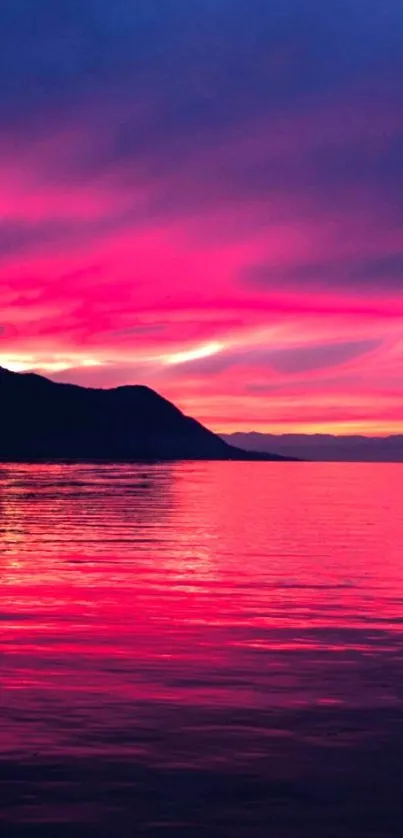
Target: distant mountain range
[323,447]
[43,420]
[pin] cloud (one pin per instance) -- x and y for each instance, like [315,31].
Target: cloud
[287,361]
[321,356]
[18,237]
[179,174]
[377,273]
[181,72]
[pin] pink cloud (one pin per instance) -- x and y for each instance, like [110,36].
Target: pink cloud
[107,268]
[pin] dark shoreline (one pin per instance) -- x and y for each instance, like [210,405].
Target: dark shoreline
[249,458]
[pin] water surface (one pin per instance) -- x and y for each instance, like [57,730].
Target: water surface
[201,649]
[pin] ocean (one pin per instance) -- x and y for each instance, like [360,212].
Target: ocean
[201,649]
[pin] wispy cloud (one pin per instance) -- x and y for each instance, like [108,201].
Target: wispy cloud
[215,183]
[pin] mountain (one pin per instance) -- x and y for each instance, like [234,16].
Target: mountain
[324,447]
[43,420]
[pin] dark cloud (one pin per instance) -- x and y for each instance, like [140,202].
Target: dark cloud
[325,167]
[374,272]
[140,330]
[19,236]
[320,356]
[383,268]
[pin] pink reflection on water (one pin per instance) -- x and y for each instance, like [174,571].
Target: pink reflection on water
[200,615]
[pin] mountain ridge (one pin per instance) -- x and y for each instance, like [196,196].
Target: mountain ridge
[41,419]
[323,447]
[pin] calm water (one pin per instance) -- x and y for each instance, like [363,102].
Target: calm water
[201,650]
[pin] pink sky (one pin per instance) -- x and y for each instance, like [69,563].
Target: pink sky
[245,260]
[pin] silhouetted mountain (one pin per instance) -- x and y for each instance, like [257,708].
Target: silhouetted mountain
[43,420]
[323,447]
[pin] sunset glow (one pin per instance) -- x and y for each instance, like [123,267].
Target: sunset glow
[205,351]
[221,224]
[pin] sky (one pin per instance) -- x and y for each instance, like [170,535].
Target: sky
[207,197]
